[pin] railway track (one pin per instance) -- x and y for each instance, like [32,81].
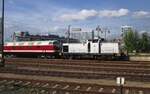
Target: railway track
[75,69]
[84,69]
[75,61]
[81,63]
[120,68]
[57,87]
[76,74]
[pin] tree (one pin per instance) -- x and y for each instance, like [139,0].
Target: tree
[144,43]
[131,40]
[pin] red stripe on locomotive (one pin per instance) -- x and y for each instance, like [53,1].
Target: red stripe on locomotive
[43,48]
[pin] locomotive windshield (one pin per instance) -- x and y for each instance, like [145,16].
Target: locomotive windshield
[50,42]
[57,44]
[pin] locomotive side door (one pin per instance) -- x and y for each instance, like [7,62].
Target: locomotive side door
[94,47]
[89,47]
[99,44]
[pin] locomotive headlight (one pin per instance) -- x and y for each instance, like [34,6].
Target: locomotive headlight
[60,54]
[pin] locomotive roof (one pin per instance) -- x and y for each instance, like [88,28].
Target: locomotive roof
[25,43]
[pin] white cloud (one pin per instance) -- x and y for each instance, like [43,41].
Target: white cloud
[81,15]
[85,14]
[113,13]
[141,14]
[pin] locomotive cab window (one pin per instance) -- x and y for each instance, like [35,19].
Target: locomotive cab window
[50,42]
[65,48]
[56,43]
[95,41]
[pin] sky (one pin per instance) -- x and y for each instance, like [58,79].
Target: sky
[46,16]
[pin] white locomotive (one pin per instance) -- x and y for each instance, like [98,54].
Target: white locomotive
[91,48]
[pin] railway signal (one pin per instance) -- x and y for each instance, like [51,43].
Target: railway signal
[120,81]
